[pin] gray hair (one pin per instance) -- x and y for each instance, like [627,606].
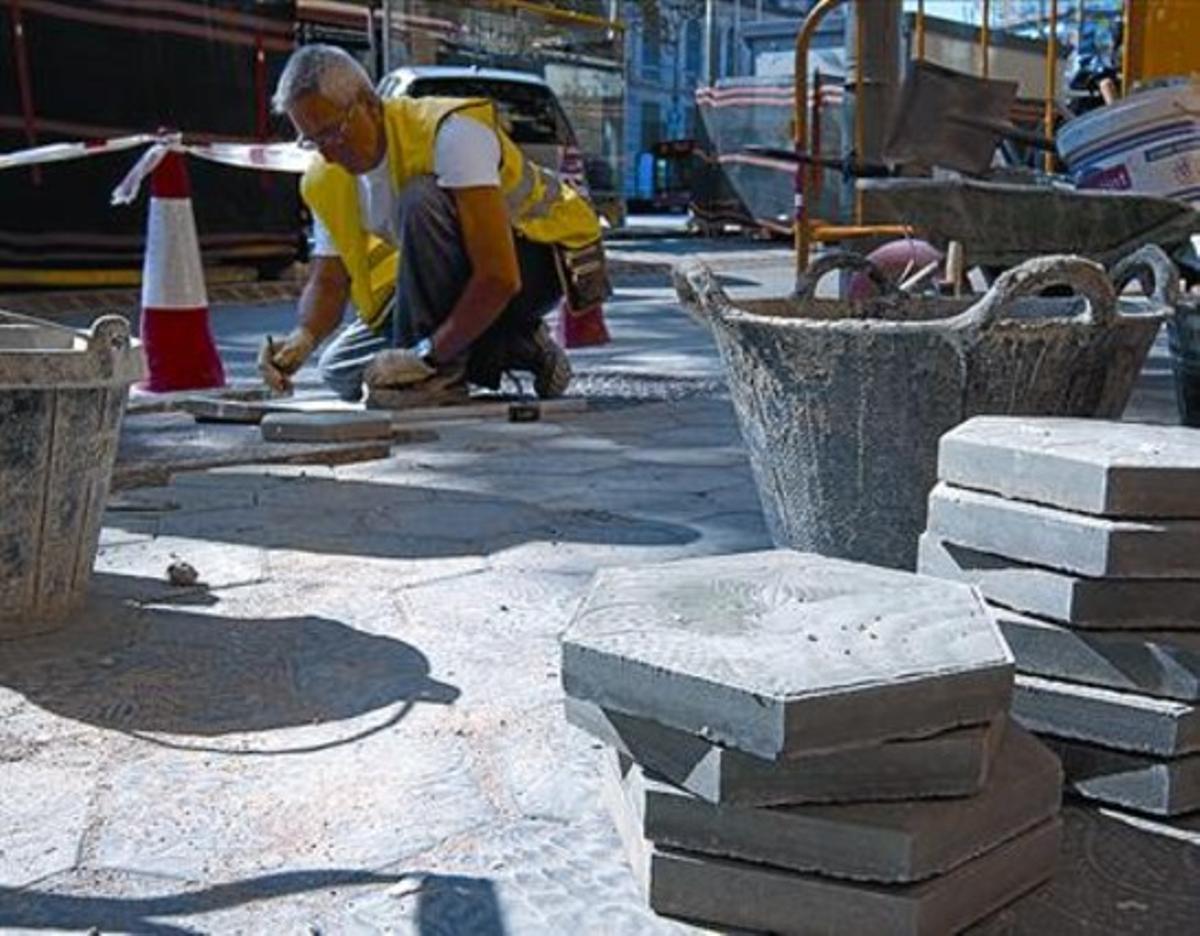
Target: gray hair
[321,69]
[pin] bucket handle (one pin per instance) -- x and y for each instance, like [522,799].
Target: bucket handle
[1086,277]
[1155,273]
[806,282]
[107,335]
[700,293]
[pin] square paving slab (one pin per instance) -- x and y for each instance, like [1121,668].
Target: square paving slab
[1157,663]
[1091,603]
[1122,720]
[781,653]
[1137,549]
[1164,787]
[953,763]
[724,892]
[884,842]
[1114,469]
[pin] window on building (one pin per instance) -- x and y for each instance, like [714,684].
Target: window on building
[731,45]
[693,41]
[651,124]
[651,49]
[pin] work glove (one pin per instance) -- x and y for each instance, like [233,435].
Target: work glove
[277,361]
[398,367]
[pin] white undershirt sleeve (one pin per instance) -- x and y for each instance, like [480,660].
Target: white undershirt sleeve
[322,240]
[466,153]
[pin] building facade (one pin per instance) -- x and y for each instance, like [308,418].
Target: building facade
[667,59]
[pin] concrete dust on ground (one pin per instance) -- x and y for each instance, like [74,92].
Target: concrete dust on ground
[359,702]
[352,722]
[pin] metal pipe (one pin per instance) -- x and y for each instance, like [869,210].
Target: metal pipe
[920,30]
[800,229]
[985,37]
[860,126]
[377,70]
[824,232]
[1127,39]
[818,174]
[709,60]
[554,15]
[735,66]
[1051,84]
[386,38]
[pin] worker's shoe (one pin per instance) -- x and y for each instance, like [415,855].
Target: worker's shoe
[447,387]
[541,355]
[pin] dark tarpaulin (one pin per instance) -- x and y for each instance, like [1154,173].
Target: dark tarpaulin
[714,201]
[738,183]
[91,69]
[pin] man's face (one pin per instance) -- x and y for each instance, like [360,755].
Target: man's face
[350,136]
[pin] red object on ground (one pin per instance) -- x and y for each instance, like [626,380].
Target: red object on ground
[581,329]
[176,337]
[894,259]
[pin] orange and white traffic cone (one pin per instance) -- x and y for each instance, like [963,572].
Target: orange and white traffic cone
[581,329]
[176,338]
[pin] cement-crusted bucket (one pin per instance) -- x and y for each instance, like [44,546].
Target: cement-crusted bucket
[842,403]
[62,396]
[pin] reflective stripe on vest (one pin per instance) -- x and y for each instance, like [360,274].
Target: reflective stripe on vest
[524,188]
[551,192]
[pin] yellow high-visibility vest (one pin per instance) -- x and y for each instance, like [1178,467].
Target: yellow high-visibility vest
[540,207]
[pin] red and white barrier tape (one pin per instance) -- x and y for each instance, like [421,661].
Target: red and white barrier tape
[273,157]
[270,157]
[61,152]
[127,189]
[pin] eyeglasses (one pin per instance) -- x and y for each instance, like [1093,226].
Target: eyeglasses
[330,136]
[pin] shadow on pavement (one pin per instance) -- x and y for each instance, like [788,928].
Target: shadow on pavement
[181,672]
[106,588]
[34,909]
[1117,874]
[402,521]
[449,905]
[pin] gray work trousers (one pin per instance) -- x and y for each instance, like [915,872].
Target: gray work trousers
[434,268]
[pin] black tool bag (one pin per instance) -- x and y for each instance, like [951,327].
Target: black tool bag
[583,275]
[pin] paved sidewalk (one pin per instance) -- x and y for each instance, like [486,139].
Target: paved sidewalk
[353,724]
[366,685]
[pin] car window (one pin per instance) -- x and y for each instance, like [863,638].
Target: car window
[529,113]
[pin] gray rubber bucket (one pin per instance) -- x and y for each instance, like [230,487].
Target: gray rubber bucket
[842,404]
[1184,331]
[62,396]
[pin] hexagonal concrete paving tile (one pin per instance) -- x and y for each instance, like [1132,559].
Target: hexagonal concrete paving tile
[780,652]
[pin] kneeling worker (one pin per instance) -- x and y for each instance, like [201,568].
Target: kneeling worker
[484,240]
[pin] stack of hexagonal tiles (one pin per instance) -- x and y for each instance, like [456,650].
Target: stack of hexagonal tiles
[800,744]
[1086,536]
